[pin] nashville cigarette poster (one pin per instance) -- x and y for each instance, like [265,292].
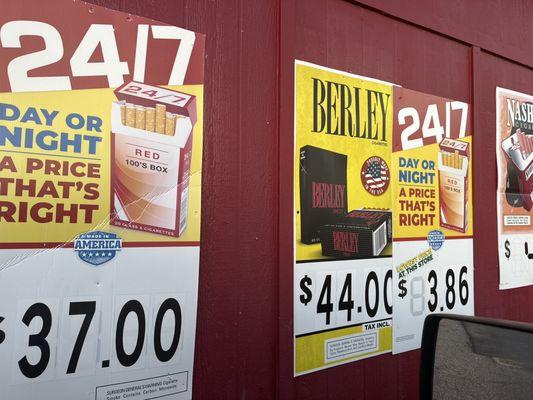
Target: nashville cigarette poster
[432,212]
[100,186]
[342,218]
[514,150]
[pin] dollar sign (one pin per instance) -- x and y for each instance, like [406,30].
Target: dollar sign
[2,333]
[304,285]
[507,249]
[403,290]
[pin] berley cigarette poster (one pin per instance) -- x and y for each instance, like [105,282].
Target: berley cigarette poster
[342,218]
[100,186]
[432,212]
[514,150]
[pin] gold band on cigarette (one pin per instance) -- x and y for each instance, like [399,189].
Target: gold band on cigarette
[130,115]
[140,117]
[150,119]
[160,117]
[170,126]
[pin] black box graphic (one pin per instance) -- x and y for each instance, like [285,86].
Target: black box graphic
[323,192]
[360,234]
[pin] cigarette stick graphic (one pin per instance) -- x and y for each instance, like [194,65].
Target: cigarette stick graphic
[140,117]
[160,116]
[130,115]
[150,119]
[122,105]
[170,127]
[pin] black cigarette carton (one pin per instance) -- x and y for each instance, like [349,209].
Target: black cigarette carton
[360,234]
[323,194]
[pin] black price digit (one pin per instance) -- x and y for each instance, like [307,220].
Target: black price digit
[305,285]
[326,307]
[371,311]
[87,308]
[132,306]
[450,291]
[168,305]
[528,254]
[388,278]
[347,305]
[37,340]
[432,305]
[463,284]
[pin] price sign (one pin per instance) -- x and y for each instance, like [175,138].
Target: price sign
[516,258]
[336,299]
[350,301]
[139,329]
[430,281]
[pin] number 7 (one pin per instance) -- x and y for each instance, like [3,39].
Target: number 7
[88,309]
[187,38]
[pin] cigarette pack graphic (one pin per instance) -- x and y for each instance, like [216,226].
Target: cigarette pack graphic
[359,234]
[453,184]
[518,150]
[323,194]
[151,153]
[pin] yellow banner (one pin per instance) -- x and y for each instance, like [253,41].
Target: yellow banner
[56,167]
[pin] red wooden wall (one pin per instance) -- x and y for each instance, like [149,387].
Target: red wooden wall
[450,48]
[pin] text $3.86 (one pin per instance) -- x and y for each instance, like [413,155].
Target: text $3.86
[455,289]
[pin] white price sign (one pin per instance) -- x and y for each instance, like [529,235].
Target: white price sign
[429,281]
[516,259]
[95,335]
[337,294]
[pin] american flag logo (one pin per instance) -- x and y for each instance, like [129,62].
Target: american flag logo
[375,175]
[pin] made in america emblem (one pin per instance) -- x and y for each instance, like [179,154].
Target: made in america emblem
[97,247]
[375,175]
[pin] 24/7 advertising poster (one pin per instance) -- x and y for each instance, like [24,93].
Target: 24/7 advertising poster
[432,212]
[514,151]
[100,186]
[342,218]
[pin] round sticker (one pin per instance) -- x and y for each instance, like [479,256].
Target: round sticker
[436,239]
[375,175]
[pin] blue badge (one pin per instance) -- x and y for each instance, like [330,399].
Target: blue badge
[97,247]
[435,239]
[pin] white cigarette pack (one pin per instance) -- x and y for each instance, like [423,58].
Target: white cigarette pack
[150,169]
